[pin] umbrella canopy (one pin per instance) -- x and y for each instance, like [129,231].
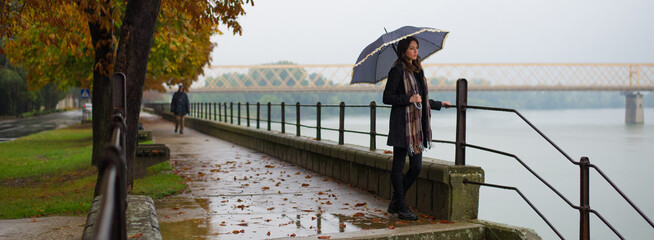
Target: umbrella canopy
[377,58]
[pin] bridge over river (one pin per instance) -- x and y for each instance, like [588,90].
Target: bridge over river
[629,79]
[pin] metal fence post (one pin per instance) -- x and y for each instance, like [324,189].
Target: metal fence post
[461,103]
[584,206]
[214,111]
[238,112]
[225,107]
[341,124]
[231,112]
[269,116]
[297,118]
[373,125]
[283,117]
[258,117]
[220,112]
[247,113]
[318,105]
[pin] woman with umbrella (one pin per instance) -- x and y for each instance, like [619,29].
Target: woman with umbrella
[410,129]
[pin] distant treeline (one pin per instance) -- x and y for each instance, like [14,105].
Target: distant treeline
[15,97]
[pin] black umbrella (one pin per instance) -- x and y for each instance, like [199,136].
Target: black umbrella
[377,58]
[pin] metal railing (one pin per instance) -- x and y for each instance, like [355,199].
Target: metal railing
[112,171]
[203,111]
[584,165]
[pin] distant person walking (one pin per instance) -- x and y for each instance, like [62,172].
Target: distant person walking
[410,130]
[180,106]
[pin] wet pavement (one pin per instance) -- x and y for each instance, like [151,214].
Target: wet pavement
[15,128]
[239,193]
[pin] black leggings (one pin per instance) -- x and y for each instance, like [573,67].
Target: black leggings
[401,184]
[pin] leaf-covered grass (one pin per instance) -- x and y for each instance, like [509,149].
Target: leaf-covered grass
[50,173]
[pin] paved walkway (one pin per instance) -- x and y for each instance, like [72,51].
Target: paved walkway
[239,193]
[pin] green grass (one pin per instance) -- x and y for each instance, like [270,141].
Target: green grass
[72,197]
[147,142]
[50,173]
[159,182]
[51,152]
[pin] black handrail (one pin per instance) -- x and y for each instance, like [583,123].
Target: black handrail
[523,197]
[112,172]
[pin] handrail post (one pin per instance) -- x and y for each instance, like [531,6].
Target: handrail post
[297,118]
[283,117]
[214,111]
[231,112]
[341,124]
[247,112]
[373,125]
[204,111]
[225,107]
[258,115]
[119,102]
[238,112]
[269,105]
[220,112]
[318,107]
[584,206]
[461,103]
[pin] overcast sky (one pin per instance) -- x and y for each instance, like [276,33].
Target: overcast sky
[481,31]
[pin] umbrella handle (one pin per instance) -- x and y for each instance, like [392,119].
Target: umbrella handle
[418,105]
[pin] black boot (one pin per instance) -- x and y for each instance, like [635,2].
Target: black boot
[393,207]
[404,212]
[175,129]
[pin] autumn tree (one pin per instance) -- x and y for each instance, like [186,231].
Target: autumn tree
[80,43]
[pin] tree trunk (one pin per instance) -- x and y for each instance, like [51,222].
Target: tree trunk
[132,57]
[102,92]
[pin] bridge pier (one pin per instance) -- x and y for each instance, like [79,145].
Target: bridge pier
[634,108]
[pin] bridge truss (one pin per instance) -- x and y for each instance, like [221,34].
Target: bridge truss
[441,77]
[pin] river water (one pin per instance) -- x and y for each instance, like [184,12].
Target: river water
[625,153]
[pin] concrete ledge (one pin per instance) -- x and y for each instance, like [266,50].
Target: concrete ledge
[141,217]
[439,191]
[453,231]
[148,155]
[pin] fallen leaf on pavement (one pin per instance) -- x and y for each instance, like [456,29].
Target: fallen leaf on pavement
[360,204]
[388,152]
[445,221]
[268,233]
[305,184]
[243,224]
[136,235]
[324,237]
[391,227]
[340,225]
[236,231]
[271,208]
[359,214]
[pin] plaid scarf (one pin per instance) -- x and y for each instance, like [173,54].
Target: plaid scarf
[413,116]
